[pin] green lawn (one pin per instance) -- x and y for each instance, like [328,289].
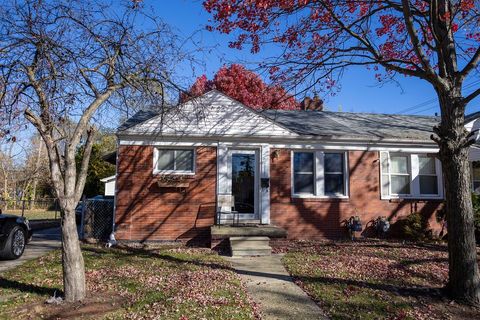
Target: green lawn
[373,280]
[36,214]
[167,282]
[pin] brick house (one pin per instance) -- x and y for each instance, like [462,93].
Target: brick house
[214,162]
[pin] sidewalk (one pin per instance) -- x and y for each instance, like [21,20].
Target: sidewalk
[43,241]
[272,288]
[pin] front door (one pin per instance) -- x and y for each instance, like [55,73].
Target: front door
[244,177]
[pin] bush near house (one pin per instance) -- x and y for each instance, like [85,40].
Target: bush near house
[441,215]
[167,282]
[374,280]
[414,227]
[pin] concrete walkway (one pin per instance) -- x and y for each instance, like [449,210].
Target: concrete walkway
[272,288]
[43,241]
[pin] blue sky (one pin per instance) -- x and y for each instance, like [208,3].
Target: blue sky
[360,92]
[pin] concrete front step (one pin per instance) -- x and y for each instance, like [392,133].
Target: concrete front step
[248,242]
[251,252]
[250,246]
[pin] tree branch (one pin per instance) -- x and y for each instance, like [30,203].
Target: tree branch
[55,160]
[82,175]
[472,64]
[472,96]
[417,47]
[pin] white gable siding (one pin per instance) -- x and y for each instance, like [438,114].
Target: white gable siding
[473,125]
[474,154]
[213,114]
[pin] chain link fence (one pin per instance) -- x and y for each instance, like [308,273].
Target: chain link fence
[97,222]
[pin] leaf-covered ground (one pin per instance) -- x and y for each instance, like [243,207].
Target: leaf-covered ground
[168,282]
[374,280]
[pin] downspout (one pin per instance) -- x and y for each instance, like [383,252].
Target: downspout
[112,241]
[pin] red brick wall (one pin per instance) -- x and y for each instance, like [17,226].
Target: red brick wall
[324,218]
[144,211]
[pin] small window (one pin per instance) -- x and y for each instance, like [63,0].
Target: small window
[427,175]
[333,171]
[303,172]
[174,160]
[476,176]
[399,174]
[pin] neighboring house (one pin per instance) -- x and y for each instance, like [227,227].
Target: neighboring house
[211,160]
[109,186]
[472,123]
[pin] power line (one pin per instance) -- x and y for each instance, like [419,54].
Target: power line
[431,101]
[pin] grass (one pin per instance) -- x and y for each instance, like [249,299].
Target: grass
[36,214]
[167,282]
[372,280]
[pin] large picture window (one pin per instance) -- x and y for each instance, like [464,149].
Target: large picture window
[174,161]
[410,175]
[319,174]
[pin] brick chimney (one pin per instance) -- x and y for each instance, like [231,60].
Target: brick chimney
[315,104]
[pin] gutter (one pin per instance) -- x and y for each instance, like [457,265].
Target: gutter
[272,139]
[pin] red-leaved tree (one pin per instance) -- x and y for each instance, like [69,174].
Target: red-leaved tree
[245,86]
[433,40]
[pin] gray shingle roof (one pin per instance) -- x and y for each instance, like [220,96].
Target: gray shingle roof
[472,116]
[346,124]
[137,118]
[336,124]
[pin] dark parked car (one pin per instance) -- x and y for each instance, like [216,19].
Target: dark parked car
[15,233]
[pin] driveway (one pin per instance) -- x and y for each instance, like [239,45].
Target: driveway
[43,241]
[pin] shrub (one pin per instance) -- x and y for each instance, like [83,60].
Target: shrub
[476,215]
[442,215]
[414,227]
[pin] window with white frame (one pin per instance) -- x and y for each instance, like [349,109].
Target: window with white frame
[410,175]
[319,174]
[399,174]
[427,175]
[476,176]
[303,173]
[334,173]
[174,161]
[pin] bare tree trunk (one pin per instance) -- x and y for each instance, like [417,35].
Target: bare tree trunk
[464,280]
[37,168]
[72,258]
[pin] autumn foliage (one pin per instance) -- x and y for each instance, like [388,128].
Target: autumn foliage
[322,37]
[245,86]
[437,41]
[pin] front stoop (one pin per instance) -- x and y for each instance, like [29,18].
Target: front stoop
[250,246]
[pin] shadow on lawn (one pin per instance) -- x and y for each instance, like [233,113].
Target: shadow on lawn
[151,253]
[30,288]
[398,290]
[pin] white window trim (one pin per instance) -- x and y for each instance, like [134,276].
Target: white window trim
[429,175]
[319,177]
[315,165]
[414,182]
[410,172]
[179,172]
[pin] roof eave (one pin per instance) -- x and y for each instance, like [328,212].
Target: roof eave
[316,138]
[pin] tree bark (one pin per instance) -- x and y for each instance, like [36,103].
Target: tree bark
[72,258]
[36,169]
[464,280]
